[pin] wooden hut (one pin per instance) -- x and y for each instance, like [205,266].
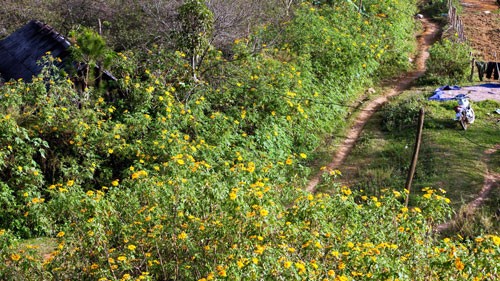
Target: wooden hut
[21,51]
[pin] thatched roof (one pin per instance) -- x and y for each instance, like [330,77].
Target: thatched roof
[20,51]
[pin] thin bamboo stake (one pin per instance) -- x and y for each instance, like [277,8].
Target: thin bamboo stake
[411,173]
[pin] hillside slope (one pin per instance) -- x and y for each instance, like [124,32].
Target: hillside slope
[481,20]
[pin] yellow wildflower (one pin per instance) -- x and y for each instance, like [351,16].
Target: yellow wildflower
[183,236]
[264,212]
[259,249]
[15,257]
[496,239]
[233,195]
[459,264]
[300,267]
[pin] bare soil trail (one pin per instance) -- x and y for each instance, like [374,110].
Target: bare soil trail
[394,87]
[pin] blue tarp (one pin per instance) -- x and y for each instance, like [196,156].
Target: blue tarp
[489,85]
[443,93]
[439,91]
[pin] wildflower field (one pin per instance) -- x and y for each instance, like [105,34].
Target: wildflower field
[189,169]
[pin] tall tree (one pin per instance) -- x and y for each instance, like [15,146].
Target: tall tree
[196,28]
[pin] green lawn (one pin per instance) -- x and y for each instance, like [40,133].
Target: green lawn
[450,158]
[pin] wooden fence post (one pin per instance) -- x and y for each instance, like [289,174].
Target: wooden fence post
[472,68]
[415,155]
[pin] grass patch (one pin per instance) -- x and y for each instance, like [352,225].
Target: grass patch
[330,143]
[450,158]
[42,247]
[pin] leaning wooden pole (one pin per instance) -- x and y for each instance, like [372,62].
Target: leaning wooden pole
[415,155]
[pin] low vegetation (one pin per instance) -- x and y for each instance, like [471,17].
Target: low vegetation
[190,166]
[450,158]
[448,64]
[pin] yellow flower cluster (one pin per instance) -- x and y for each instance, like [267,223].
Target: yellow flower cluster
[139,174]
[432,193]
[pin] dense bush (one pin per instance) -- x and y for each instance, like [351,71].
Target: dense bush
[436,7]
[448,63]
[401,114]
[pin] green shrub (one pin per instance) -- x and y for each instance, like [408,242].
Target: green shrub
[448,63]
[434,8]
[401,115]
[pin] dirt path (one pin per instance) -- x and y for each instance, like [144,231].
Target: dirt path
[394,87]
[491,181]
[481,21]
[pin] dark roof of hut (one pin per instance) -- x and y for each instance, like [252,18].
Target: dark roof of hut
[21,51]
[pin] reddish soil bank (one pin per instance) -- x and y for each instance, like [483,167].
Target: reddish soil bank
[481,22]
